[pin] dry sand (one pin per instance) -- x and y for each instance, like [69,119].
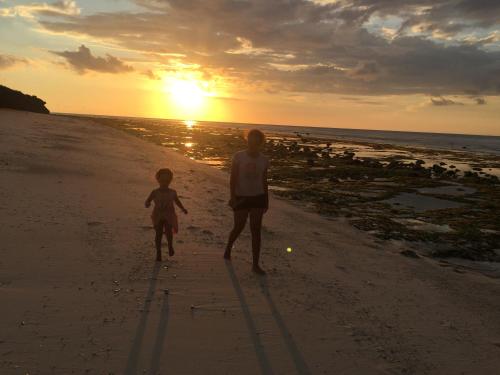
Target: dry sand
[80,292]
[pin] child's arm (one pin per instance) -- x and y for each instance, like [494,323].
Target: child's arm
[149,199]
[179,204]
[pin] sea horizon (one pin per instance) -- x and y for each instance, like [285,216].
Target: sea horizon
[448,141]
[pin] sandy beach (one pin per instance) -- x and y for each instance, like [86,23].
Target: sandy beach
[81,293]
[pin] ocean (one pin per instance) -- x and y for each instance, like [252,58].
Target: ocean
[441,141]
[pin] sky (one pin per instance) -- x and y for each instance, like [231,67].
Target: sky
[406,65]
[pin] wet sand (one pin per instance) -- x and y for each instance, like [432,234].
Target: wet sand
[81,293]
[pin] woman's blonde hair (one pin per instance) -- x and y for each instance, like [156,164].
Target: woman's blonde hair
[256,133]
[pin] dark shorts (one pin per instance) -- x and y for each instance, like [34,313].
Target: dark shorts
[247,203]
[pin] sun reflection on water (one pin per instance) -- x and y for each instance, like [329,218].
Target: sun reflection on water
[189,123]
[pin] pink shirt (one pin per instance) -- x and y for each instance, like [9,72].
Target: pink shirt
[164,210]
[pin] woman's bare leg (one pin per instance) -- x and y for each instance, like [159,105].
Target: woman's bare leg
[240,219]
[255,227]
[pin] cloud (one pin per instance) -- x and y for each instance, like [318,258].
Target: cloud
[359,100]
[313,46]
[8,61]
[440,101]
[151,75]
[82,61]
[57,8]
[441,18]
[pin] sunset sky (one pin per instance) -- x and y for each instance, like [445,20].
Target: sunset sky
[373,64]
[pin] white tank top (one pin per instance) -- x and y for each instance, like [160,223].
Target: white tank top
[249,181]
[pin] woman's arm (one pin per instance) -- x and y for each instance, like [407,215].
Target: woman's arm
[265,184]
[233,179]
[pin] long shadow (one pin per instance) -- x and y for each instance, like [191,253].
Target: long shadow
[160,337]
[298,360]
[264,364]
[135,350]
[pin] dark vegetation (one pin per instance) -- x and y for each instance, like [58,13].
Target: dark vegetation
[13,99]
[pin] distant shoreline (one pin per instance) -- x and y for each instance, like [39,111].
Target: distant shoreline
[310,128]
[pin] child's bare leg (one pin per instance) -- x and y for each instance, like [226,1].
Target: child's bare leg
[169,235]
[158,237]
[240,219]
[255,227]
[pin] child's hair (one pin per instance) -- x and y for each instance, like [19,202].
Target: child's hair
[164,172]
[256,133]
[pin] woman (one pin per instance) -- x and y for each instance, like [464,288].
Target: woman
[249,194]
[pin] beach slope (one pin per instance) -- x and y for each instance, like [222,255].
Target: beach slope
[81,292]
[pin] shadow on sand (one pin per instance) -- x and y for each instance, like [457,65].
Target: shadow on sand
[161,332]
[298,360]
[135,350]
[264,364]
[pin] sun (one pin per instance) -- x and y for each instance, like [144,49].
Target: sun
[189,94]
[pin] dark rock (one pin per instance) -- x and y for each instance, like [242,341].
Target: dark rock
[410,254]
[17,100]
[438,169]
[348,154]
[451,173]
[393,164]
[470,174]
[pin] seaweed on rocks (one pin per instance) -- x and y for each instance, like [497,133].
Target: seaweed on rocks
[359,180]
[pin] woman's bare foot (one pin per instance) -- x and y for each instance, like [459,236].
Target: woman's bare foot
[259,271]
[171,251]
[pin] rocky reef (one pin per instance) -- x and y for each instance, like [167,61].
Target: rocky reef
[444,202]
[13,99]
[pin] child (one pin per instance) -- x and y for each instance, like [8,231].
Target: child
[163,216]
[249,194]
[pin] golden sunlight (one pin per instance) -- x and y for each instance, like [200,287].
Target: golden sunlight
[190,94]
[189,123]
[187,96]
